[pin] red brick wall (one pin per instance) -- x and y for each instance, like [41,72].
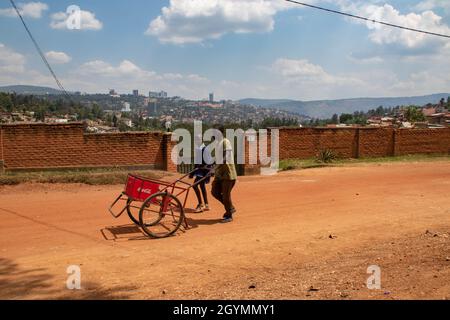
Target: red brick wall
[306,143]
[1,151]
[1,144]
[55,146]
[374,142]
[27,146]
[167,147]
[427,141]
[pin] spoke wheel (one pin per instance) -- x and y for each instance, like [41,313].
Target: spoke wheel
[133,212]
[161,215]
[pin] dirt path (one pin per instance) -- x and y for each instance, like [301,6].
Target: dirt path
[318,229]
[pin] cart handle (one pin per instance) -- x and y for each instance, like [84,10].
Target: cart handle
[113,205]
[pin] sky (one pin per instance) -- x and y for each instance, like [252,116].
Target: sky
[234,48]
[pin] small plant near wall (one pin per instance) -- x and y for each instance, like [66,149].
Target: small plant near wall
[326,156]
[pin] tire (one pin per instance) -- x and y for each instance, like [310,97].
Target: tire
[132,213]
[156,223]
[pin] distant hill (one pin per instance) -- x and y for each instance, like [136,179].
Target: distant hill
[326,108]
[265,102]
[19,89]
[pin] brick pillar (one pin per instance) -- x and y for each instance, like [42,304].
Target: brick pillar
[168,146]
[251,169]
[395,134]
[357,154]
[254,168]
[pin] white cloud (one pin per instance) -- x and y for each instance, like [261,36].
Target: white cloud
[193,21]
[127,76]
[427,20]
[126,68]
[365,60]
[384,35]
[433,4]
[13,69]
[419,83]
[11,61]
[30,10]
[305,80]
[58,57]
[304,72]
[88,21]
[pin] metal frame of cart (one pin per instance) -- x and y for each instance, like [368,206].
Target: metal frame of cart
[161,213]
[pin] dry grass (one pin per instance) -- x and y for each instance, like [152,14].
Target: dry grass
[89,177]
[296,164]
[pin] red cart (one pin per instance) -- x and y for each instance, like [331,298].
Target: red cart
[155,205]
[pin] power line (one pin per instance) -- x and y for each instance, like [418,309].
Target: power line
[369,20]
[44,59]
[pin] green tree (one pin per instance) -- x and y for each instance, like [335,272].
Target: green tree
[414,114]
[380,111]
[39,115]
[335,119]
[6,102]
[97,111]
[346,118]
[114,121]
[442,104]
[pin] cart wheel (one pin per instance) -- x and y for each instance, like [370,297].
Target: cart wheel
[133,212]
[161,215]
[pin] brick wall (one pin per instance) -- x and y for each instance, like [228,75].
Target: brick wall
[1,151]
[38,146]
[308,142]
[303,143]
[57,146]
[422,141]
[374,142]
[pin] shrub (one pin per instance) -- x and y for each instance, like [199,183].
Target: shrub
[326,156]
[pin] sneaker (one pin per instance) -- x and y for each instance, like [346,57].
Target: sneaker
[199,209]
[207,208]
[227,219]
[226,214]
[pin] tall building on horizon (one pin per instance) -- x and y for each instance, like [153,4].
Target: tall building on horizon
[136,93]
[161,94]
[126,107]
[152,106]
[211,97]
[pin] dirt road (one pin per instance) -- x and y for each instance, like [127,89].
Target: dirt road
[299,235]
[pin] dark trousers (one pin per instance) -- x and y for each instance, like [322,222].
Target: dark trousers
[221,190]
[201,186]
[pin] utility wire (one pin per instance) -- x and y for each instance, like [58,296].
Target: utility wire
[369,20]
[44,59]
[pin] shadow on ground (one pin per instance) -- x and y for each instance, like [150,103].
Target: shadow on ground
[19,283]
[132,232]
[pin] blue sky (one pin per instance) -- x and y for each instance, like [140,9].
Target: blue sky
[235,48]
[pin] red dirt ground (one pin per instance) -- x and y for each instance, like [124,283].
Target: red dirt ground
[298,235]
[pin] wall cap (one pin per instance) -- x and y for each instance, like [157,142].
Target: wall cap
[40,125]
[129,133]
